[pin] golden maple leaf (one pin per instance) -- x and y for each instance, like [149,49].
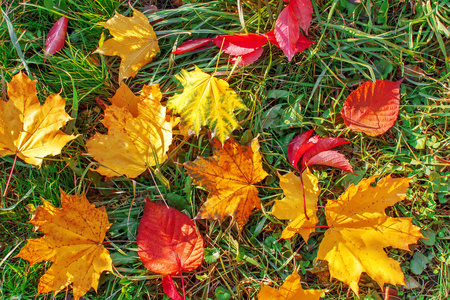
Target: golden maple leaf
[290,290]
[292,206]
[29,129]
[134,41]
[360,229]
[139,133]
[73,242]
[206,100]
[229,176]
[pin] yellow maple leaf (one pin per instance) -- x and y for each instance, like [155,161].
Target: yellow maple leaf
[292,206]
[290,290]
[134,40]
[360,229]
[229,176]
[206,100]
[29,129]
[139,133]
[73,242]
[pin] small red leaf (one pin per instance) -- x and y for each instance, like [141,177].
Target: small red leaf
[240,44]
[191,45]
[287,32]
[302,10]
[169,288]
[248,59]
[271,37]
[295,144]
[56,36]
[302,42]
[331,158]
[373,107]
[323,144]
[168,240]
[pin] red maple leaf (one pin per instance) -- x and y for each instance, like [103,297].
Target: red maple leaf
[373,107]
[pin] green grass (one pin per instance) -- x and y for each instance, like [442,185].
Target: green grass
[352,44]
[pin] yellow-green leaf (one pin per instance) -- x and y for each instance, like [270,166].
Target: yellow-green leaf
[206,100]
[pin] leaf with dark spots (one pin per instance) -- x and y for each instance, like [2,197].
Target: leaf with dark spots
[229,176]
[168,241]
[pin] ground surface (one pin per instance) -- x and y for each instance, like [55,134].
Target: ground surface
[353,43]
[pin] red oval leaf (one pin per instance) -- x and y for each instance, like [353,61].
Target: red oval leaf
[169,288]
[240,44]
[373,107]
[302,9]
[287,32]
[56,36]
[248,59]
[331,158]
[191,45]
[323,144]
[168,241]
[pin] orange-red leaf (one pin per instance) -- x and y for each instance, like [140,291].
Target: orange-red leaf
[373,107]
[229,176]
[168,241]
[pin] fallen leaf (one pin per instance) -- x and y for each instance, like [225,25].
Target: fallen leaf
[290,290]
[240,44]
[314,151]
[229,176]
[191,45]
[291,207]
[29,129]
[287,32]
[56,36]
[73,242]
[139,133]
[133,40]
[249,58]
[206,100]
[359,230]
[169,288]
[302,10]
[373,107]
[168,241]
[302,43]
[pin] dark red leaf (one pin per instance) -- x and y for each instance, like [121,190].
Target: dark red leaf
[168,241]
[331,158]
[191,45]
[56,36]
[287,32]
[295,144]
[248,59]
[323,144]
[302,10]
[240,44]
[373,107]
[169,288]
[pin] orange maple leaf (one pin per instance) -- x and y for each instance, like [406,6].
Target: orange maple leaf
[360,229]
[139,133]
[29,129]
[291,207]
[290,290]
[73,242]
[134,41]
[229,176]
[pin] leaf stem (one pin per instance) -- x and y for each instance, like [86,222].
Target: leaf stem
[304,197]
[182,281]
[9,178]
[109,242]
[314,227]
